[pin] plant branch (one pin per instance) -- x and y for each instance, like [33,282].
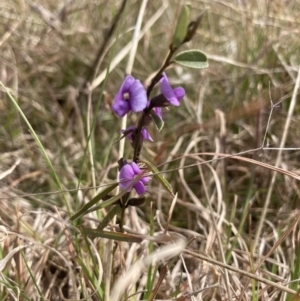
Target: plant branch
[138,141]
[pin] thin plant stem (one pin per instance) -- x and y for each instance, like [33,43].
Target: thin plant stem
[90,142]
[138,143]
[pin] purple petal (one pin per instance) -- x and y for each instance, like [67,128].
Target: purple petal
[137,96]
[146,135]
[135,168]
[139,187]
[125,176]
[127,172]
[145,180]
[168,92]
[179,93]
[131,129]
[121,107]
[125,185]
[127,83]
[158,112]
[137,171]
[164,77]
[131,96]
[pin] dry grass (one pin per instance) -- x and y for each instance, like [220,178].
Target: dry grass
[234,222]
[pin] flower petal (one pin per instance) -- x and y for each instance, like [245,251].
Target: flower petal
[145,180]
[125,176]
[139,187]
[138,171]
[146,135]
[179,93]
[137,97]
[135,168]
[121,107]
[158,112]
[129,130]
[132,127]
[127,83]
[168,92]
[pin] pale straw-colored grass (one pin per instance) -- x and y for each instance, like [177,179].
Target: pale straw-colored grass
[230,152]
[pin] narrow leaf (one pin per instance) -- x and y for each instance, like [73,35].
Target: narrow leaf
[95,200]
[111,235]
[182,27]
[157,121]
[159,177]
[109,216]
[192,59]
[86,271]
[118,140]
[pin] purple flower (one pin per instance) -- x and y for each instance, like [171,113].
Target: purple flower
[131,97]
[130,132]
[127,174]
[158,112]
[172,95]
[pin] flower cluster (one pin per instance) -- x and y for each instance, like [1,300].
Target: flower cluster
[128,173]
[132,96]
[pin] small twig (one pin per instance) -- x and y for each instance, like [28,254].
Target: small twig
[191,30]
[192,27]
[158,75]
[138,141]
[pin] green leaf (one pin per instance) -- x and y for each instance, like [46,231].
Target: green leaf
[86,271]
[111,235]
[157,121]
[192,59]
[159,177]
[108,217]
[95,200]
[181,27]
